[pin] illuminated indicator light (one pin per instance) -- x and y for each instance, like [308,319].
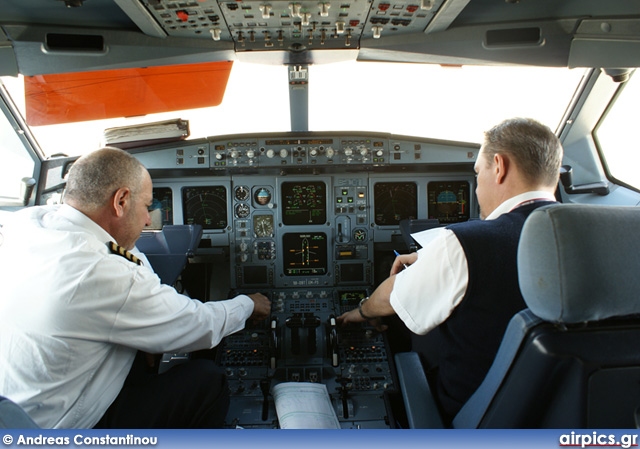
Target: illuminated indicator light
[412,8]
[384,6]
[354,23]
[182,15]
[360,195]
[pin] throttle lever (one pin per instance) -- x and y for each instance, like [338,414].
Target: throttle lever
[265,385]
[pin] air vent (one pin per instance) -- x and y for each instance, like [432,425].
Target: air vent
[75,42]
[513,37]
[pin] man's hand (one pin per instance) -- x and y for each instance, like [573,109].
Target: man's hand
[402,261]
[353,316]
[261,307]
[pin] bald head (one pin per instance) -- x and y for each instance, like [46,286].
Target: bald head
[95,177]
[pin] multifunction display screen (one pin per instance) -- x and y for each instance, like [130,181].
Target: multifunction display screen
[395,201]
[304,203]
[449,201]
[206,206]
[304,254]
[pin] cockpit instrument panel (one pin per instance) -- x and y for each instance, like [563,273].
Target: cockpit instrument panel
[304,254]
[304,203]
[449,201]
[206,206]
[395,201]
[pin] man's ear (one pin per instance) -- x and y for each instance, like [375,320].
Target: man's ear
[121,200]
[501,165]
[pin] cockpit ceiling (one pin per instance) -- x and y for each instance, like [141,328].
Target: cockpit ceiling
[162,32]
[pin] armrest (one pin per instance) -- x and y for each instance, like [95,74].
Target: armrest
[422,412]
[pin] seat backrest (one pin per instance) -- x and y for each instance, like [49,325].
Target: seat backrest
[572,359]
[13,417]
[168,250]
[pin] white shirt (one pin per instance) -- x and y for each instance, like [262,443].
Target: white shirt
[73,315]
[427,292]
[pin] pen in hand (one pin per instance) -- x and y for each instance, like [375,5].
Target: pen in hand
[397,254]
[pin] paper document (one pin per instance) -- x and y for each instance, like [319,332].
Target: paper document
[168,129]
[304,405]
[426,237]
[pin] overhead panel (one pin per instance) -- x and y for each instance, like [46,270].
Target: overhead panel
[292,25]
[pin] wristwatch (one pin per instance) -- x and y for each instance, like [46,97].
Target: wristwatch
[360,304]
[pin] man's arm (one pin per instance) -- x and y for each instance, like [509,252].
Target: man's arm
[376,306]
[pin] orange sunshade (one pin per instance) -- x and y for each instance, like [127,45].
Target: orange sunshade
[75,97]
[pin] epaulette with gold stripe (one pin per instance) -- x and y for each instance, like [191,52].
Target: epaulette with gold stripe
[119,250]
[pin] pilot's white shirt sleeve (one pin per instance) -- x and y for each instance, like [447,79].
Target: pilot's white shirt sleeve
[153,317]
[425,293]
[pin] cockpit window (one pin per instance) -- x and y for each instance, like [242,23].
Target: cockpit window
[451,103]
[16,163]
[618,139]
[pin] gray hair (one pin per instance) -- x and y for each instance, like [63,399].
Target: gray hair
[534,147]
[95,177]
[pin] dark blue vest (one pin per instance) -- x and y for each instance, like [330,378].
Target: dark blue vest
[467,342]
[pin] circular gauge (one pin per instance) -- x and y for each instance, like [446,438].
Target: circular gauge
[263,225]
[242,193]
[206,206]
[359,235]
[242,211]
[262,196]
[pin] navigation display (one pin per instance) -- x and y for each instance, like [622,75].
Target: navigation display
[449,201]
[304,254]
[304,203]
[395,201]
[206,206]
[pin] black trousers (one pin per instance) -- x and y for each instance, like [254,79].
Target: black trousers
[192,395]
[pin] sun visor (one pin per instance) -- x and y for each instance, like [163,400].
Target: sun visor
[83,96]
